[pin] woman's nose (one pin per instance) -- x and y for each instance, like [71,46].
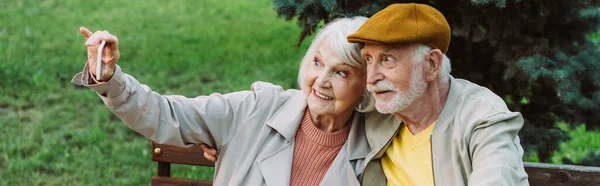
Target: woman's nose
[324,81]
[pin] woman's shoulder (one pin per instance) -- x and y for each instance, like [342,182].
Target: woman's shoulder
[269,94]
[272,89]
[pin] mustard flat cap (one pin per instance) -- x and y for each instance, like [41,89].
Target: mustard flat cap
[405,24]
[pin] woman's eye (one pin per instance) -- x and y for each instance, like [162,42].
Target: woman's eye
[342,73]
[316,62]
[369,59]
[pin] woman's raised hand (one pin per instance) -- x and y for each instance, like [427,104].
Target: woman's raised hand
[110,53]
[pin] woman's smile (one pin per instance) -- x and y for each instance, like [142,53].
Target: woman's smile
[322,95]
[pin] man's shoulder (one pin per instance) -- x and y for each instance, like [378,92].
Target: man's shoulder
[473,95]
[477,104]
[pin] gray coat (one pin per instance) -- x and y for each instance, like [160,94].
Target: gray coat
[253,130]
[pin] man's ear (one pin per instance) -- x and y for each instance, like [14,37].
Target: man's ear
[434,60]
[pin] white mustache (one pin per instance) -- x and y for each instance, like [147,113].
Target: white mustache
[381,86]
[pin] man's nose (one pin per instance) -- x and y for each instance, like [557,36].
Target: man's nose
[373,73]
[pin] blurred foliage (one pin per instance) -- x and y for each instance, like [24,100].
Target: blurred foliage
[582,149]
[539,52]
[592,159]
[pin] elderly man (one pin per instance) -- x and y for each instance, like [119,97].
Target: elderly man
[442,130]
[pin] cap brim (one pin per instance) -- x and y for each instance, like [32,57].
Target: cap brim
[370,41]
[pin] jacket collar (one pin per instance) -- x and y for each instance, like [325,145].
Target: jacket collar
[357,145]
[380,128]
[448,111]
[287,119]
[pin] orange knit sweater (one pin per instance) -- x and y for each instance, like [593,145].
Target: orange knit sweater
[314,151]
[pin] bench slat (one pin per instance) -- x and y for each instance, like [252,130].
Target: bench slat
[170,181]
[551,174]
[179,155]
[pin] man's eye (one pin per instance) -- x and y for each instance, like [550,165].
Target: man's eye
[388,59]
[369,59]
[342,73]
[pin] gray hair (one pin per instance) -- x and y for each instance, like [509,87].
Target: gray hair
[419,57]
[335,34]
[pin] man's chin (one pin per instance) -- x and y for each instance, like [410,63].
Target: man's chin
[381,99]
[390,107]
[384,109]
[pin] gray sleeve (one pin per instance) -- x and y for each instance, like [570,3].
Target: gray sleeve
[496,153]
[173,120]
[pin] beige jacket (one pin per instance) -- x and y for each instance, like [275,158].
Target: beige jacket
[474,141]
[253,130]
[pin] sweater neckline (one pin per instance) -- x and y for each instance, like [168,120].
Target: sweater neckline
[329,139]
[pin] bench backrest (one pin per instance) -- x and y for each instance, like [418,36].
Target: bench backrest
[540,174]
[552,174]
[165,155]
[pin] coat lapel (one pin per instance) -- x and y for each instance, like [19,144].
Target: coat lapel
[355,148]
[287,119]
[276,168]
[380,129]
[448,111]
[340,172]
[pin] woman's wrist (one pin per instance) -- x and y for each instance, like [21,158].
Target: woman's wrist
[107,74]
[93,79]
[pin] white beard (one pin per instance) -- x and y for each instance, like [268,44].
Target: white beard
[400,100]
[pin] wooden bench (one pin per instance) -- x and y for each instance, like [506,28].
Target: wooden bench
[165,155]
[540,174]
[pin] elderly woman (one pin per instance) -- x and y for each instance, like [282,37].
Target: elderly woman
[267,135]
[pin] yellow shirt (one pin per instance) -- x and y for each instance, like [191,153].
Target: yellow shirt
[407,161]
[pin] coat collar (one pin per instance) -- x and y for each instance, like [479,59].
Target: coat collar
[357,145]
[287,119]
[380,128]
[449,108]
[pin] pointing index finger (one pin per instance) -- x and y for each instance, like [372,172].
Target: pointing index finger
[85,32]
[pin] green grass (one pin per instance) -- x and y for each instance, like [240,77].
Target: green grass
[54,133]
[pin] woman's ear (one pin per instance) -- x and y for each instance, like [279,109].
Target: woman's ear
[434,60]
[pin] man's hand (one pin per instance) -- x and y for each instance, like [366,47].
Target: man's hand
[209,153]
[110,53]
